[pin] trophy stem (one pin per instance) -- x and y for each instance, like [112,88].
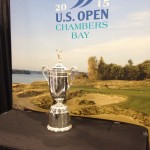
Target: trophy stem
[59,101]
[59,119]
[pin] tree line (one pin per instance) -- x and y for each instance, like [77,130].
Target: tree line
[99,70]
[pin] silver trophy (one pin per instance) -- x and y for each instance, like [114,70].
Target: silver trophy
[59,79]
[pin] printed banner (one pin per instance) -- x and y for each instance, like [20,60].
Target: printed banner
[108,42]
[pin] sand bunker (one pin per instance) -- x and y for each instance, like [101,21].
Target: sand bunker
[99,99]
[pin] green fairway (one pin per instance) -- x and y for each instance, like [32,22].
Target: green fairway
[138,99]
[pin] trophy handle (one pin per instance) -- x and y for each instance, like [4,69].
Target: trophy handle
[43,71]
[71,78]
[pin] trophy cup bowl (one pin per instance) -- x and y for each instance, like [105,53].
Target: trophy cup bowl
[59,80]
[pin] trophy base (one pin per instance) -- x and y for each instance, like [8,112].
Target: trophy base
[59,119]
[59,129]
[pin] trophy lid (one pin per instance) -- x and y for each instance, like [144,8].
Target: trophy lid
[59,65]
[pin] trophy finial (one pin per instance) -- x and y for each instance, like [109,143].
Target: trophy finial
[59,55]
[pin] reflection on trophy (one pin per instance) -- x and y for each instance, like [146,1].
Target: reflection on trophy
[59,80]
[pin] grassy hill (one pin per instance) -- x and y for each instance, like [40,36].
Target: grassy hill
[137,92]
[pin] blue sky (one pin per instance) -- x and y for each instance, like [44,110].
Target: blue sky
[35,40]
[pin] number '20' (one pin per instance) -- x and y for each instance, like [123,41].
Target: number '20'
[61,7]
